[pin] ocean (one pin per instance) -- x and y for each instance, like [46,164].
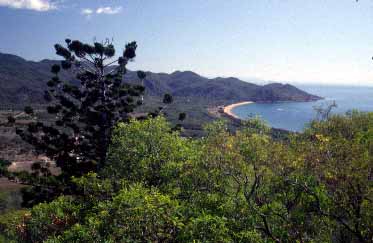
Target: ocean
[295,116]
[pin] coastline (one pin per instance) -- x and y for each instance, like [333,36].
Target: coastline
[228,109]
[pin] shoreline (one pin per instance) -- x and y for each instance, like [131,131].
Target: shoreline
[228,109]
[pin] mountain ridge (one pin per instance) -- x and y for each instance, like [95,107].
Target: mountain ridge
[23,82]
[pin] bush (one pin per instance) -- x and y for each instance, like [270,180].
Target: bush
[136,214]
[4,164]
[48,220]
[147,152]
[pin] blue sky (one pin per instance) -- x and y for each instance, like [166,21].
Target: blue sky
[323,41]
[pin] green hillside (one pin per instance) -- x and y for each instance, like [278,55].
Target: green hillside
[23,82]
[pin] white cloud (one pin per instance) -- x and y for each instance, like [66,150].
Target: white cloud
[101,10]
[108,10]
[37,5]
[86,11]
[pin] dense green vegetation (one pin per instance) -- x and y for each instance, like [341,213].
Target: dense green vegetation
[157,186]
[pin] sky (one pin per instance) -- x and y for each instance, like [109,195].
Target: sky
[294,41]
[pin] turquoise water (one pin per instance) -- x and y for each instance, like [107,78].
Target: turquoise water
[294,116]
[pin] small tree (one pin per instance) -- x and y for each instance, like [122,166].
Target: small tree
[11,120]
[86,110]
[182,116]
[323,111]
[4,164]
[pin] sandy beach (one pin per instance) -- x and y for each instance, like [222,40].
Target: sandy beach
[228,109]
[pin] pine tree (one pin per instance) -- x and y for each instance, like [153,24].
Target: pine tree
[85,111]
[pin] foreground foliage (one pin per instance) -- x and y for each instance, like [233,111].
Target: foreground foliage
[245,187]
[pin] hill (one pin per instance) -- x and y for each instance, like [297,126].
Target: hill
[23,82]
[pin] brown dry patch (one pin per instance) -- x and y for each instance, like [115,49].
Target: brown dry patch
[7,185]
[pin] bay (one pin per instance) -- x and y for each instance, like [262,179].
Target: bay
[295,116]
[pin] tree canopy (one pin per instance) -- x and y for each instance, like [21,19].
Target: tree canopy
[225,187]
